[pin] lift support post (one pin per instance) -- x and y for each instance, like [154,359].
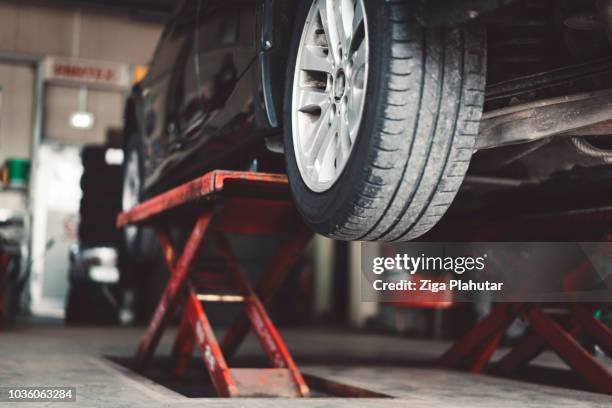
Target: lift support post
[218,203]
[474,350]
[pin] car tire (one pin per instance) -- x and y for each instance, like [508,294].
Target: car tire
[417,132]
[101,200]
[139,242]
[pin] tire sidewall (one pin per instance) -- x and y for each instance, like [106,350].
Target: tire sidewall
[325,210]
[141,243]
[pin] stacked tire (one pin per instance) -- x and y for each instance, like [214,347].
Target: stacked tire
[101,183]
[101,200]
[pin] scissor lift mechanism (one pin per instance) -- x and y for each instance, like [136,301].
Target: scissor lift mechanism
[220,202]
[475,349]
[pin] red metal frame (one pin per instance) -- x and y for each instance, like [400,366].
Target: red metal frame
[475,349]
[265,213]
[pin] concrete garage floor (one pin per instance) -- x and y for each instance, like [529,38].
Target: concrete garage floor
[86,358]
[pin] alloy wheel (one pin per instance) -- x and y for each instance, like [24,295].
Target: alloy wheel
[329,89]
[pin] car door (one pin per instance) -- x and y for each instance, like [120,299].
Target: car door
[169,93]
[226,48]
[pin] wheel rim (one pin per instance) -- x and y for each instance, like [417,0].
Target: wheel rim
[131,192]
[329,88]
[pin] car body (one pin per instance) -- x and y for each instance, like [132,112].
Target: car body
[213,93]
[216,96]
[203,94]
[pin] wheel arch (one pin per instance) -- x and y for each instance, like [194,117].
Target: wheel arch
[277,19]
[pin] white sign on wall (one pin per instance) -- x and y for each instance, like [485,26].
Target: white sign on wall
[81,72]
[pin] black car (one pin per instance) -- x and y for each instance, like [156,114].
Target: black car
[376,104]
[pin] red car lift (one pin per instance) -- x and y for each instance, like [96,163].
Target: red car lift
[475,349]
[220,202]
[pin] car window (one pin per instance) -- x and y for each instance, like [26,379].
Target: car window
[174,37]
[224,27]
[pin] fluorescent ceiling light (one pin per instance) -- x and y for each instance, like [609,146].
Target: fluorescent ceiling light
[82,120]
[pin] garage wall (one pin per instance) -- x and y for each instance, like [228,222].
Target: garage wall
[40,31]
[55,31]
[61,102]
[17,84]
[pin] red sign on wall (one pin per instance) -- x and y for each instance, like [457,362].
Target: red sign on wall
[86,72]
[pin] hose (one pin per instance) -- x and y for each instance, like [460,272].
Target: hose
[586,148]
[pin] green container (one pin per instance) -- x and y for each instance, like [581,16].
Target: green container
[18,172]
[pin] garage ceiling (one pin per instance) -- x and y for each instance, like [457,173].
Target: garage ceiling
[153,10]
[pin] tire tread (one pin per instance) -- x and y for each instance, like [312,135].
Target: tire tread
[395,212]
[429,93]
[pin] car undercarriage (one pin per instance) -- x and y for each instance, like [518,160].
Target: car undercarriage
[544,146]
[562,97]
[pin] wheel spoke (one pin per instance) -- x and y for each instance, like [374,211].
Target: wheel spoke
[331,18]
[360,57]
[314,59]
[357,17]
[339,30]
[326,158]
[356,23]
[353,114]
[344,139]
[310,99]
[320,136]
[323,13]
